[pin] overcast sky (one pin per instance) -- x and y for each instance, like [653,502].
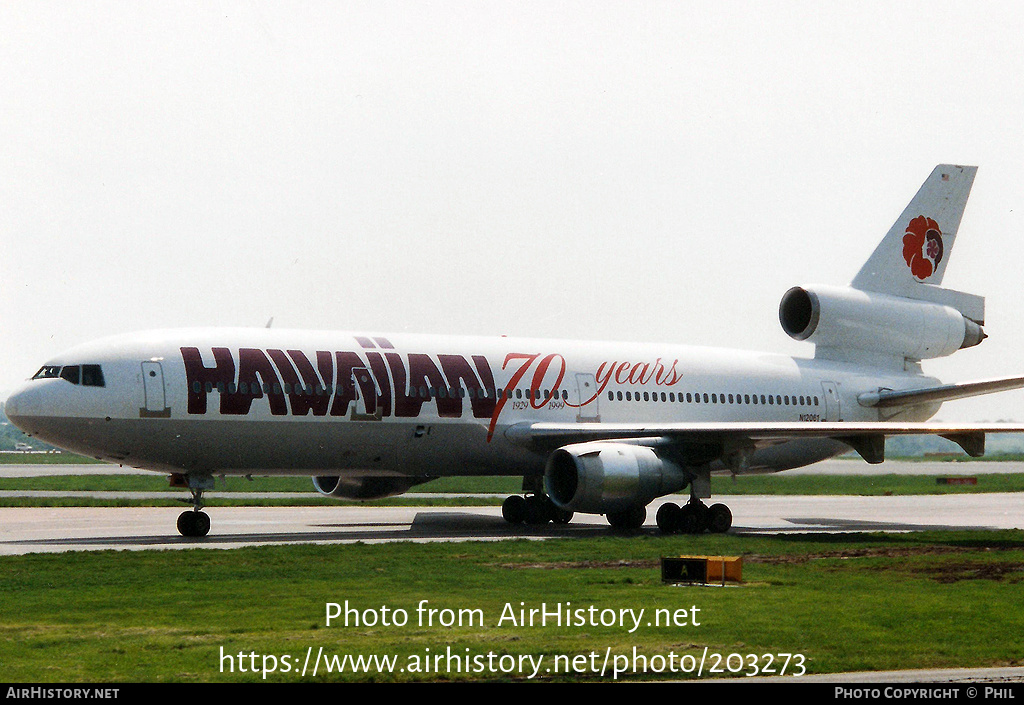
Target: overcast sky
[657,171]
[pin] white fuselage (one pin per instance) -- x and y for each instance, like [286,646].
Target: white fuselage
[266,401]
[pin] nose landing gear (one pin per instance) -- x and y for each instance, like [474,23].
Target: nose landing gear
[194,523]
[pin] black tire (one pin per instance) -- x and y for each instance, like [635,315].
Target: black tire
[539,510]
[668,518]
[693,518]
[513,509]
[562,516]
[628,519]
[193,524]
[719,519]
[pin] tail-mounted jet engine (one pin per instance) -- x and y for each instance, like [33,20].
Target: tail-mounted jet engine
[614,479]
[847,319]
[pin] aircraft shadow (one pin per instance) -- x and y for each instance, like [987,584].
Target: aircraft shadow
[427,526]
[819,524]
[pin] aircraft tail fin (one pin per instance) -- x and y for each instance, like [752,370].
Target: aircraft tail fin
[911,259]
[895,310]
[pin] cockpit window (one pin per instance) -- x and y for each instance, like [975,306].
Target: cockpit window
[86,375]
[92,376]
[47,372]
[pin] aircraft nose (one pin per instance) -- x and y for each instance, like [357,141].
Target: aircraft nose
[24,402]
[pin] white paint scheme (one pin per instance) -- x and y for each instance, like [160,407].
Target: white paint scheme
[616,424]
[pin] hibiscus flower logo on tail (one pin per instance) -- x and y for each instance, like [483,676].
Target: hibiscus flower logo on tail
[922,247]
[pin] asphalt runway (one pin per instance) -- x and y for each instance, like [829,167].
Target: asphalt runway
[56,529]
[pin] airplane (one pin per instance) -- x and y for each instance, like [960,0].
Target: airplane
[591,427]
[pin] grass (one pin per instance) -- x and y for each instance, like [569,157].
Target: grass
[499,486]
[845,602]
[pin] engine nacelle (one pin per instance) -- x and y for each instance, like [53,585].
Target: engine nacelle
[601,478]
[365,487]
[846,318]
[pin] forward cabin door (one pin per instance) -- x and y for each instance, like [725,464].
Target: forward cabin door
[153,387]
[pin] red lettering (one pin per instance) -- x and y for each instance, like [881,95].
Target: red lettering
[200,376]
[424,373]
[536,401]
[254,372]
[344,388]
[500,403]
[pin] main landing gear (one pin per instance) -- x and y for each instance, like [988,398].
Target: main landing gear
[194,523]
[694,517]
[533,509]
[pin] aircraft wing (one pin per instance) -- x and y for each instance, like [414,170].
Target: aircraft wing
[867,438]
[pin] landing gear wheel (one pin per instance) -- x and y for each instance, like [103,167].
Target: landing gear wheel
[669,517]
[513,509]
[535,509]
[719,519]
[539,510]
[628,519]
[193,524]
[561,516]
[693,518]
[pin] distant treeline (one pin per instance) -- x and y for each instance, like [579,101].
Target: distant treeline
[11,435]
[918,446]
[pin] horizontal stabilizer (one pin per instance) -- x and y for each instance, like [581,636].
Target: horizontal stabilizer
[888,398]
